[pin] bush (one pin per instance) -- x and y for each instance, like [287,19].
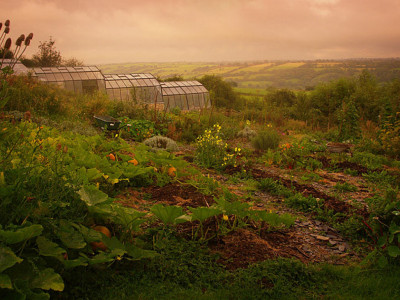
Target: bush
[161,142]
[212,152]
[266,139]
[247,133]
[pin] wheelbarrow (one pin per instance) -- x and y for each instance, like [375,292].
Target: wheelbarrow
[110,123]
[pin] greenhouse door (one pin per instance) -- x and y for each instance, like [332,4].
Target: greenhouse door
[89,86]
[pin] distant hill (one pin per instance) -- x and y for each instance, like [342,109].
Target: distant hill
[266,74]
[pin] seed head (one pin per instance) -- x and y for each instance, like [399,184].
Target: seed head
[1,25]
[6,30]
[7,45]
[20,40]
[28,39]
[7,23]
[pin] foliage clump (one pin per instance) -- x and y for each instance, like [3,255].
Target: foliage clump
[247,133]
[159,142]
[266,139]
[212,152]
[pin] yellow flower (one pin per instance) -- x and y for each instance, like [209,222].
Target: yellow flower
[225,217]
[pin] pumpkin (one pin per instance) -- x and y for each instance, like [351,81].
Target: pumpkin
[100,245]
[172,171]
[133,161]
[111,156]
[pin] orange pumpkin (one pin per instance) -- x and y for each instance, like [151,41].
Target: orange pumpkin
[111,156]
[100,245]
[133,161]
[172,171]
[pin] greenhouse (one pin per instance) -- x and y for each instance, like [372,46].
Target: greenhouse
[186,95]
[76,79]
[17,66]
[141,88]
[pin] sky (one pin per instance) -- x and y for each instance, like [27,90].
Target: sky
[119,31]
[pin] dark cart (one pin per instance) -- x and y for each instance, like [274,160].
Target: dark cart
[107,122]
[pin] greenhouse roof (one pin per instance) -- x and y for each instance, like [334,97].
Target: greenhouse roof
[19,68]
[130,80]
[182,88]
[60,74]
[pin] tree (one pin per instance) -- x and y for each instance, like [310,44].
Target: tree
[72,62]
[47,56]
[221,92]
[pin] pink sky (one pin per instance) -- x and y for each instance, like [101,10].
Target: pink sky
[103,31]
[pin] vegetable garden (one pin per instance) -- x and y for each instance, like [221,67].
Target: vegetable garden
[235,208]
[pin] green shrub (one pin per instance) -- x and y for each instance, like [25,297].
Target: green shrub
[247,133]
[161,142]
[266,139]
[212,152]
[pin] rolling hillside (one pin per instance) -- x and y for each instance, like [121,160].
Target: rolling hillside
[264,74]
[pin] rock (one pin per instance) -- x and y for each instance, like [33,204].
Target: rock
[321,237]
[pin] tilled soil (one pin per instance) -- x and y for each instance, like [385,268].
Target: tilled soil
[243,247]
[170,194]
[331,203]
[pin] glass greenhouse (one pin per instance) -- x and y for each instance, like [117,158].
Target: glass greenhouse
[143,88]
[76,79]
[187,95]
[18,67]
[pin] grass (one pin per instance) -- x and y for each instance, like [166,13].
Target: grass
[186,271]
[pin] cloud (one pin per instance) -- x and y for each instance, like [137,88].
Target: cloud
[193,30]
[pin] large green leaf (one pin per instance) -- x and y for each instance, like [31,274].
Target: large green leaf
[5,281]
[393,251]
[237,208]
[80,261]
[127,217]
[89,234]
[93,174]
[203,213]
[167,214]
[70,236]
[7,258]
[20,234]
[47,279]
[91,195]
[48,248]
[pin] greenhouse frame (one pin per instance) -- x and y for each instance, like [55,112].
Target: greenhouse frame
[186,95]
[77,79]
[17,66]
[140,88]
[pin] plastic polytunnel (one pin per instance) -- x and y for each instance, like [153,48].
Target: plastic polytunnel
[186,95]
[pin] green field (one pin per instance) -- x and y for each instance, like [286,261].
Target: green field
[266,74]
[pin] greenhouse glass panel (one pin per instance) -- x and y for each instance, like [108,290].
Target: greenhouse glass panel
[75,76]
[110,94]
[126,96]
[101,85]
[66,76]
[83,75]
[114,84]
[69,85]
[59,77]
[190,102]
[91,75]
[78,86]
[50,77]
